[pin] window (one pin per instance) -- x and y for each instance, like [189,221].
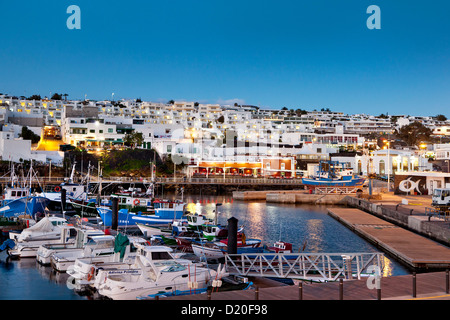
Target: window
[110,130]
[92,131]
[169,148]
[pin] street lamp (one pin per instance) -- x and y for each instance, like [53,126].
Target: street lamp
[388,164]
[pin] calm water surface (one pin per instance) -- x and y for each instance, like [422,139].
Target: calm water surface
[308,227]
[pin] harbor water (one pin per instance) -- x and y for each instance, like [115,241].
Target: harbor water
[308,228]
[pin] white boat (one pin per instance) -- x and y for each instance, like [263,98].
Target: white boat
[85,270]
[208,250]
[95,246]
[48,230]
[152,230]
[45,251]
[98,248]
[159,273]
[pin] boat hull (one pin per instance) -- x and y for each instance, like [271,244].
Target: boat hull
[356,182]
[127,218]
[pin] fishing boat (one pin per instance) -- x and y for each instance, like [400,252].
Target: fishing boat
[73,190]
[280,247]
[28,205]
[217,250]
[334,174]
[166,212]
[135,199]
[159,272]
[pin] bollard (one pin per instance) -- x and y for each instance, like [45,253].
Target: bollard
[378,293]
[300,290]
[414,285]
[209,294]
[257,293]
[232,235]
[115,213]
[341,289]
[446,281]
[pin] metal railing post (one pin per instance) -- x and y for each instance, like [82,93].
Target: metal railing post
[414,284]
[341,289]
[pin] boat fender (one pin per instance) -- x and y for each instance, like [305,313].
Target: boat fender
[217,283]
[91,274]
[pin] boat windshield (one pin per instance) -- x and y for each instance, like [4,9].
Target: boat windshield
[169,266]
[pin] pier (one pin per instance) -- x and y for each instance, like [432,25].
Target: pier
[413,250]
[424,286]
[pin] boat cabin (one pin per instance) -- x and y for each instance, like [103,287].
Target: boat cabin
[14,193]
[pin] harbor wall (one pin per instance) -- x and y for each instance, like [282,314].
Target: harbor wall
[289,196]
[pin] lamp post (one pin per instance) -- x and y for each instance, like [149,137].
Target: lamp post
[388,164]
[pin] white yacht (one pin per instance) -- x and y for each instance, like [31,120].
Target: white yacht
[85,270]
[95,246]
[48,230]
[81,234]
[158,272]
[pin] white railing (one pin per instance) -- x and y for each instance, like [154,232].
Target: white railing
[307,266]
[337,190]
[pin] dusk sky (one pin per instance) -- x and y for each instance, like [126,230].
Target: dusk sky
[274,54]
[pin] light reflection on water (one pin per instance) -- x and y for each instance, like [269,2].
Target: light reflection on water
[308,227]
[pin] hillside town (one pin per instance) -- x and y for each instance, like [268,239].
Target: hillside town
[224,140]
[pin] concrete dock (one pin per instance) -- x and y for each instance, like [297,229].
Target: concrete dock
[290,196]
[413,250]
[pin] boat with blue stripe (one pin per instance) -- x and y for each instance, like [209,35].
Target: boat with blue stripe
[334,174]
[165,212]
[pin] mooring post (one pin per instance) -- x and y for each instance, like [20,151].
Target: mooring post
[300,290]
[341,289]
[256,293]
[209,294]
[414,284]
[63,202]
[115,213]
[232,235]
[447,289]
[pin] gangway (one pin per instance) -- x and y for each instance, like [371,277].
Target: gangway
[306,266]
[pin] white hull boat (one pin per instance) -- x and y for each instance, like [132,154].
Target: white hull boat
[47,231]
[159,273]
[46,251]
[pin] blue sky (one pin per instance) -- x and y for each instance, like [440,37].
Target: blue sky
[294,54]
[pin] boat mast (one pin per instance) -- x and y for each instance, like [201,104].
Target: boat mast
[72,173]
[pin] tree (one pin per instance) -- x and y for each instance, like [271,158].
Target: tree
[56,96]
[133,139]
[441,117]
[171,102]
[414,133]
[27,134]
[34,97]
